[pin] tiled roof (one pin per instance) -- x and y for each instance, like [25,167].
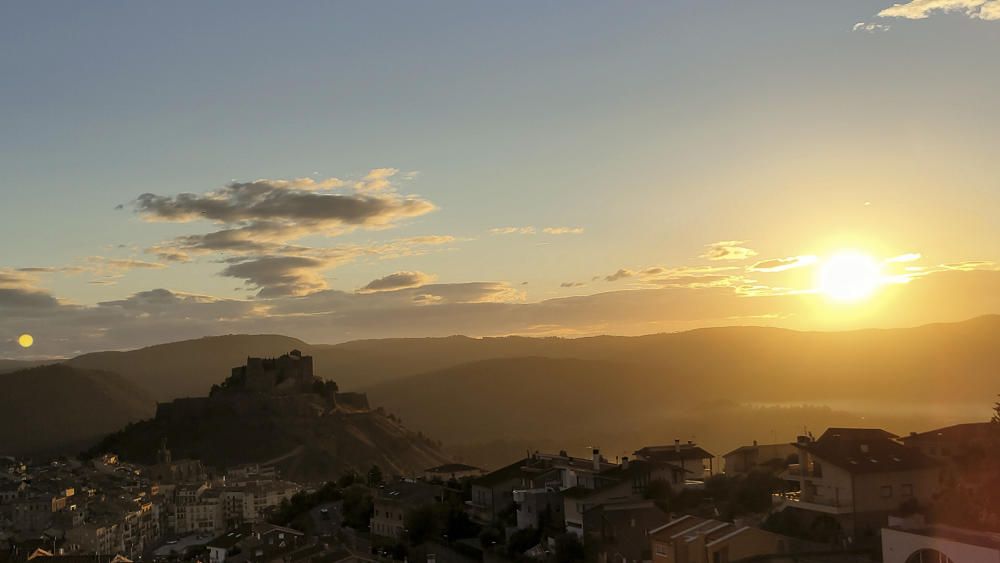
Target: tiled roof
[865,450]
[451,468]
[958,432]
[672,453]
[506,473]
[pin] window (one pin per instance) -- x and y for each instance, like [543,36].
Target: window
[886,491]
[906,490]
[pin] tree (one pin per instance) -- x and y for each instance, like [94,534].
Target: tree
[358,507]
[421,524]
[569,549]
[996,413]
[522,540]
[374,476]
[347,479]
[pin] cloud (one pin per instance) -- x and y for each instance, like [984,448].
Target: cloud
[513,231]
[908,257]
[870,28]
[281,203]
[920,9]
[572,284]
[277,276]
[18,290]
[376,180]
[945,293]
[563,230]
[728,250]
[261,222]
[297,270]
[782,264]
[398,280]
[619,275]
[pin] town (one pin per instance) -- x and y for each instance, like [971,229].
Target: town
[848,495]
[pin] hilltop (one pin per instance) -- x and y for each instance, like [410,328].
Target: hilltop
[276,411]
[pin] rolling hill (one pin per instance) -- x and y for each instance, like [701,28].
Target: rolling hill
[61,409]
[481,391]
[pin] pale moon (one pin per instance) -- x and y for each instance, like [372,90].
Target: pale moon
[25,340]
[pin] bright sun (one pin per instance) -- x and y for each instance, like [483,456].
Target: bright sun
[25,340]
[849,276]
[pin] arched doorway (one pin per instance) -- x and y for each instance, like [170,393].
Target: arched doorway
[928,556]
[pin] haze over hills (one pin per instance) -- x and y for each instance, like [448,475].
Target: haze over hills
[61,409]
[618,389]
[748,363]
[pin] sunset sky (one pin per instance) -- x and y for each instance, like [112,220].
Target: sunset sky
[334,170]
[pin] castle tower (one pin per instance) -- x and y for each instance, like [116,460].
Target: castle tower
[163,456]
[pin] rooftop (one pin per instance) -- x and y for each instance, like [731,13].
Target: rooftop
[961,535]
[866,450]
[673,452]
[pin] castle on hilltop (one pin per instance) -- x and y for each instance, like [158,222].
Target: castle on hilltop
[290,372]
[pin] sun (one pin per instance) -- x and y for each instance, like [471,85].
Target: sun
[25,340]
[849,276]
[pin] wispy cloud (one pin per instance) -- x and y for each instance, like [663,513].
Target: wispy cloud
[728,250]
[782,264]
[920,9]
[529,230]
[513,231]
[563,230]
[398,280]
[868,27]
[619,275]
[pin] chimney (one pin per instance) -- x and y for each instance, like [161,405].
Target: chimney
[597,459]
[755,443]
[677,445]
[625,462]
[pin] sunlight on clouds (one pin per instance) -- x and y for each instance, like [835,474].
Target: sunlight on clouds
[920,9]
[728,250]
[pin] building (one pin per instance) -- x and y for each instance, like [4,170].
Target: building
[168,470]
[394,501]
[291,372]
[623,483]
[451,471]
[745,459]
[257,543]
[690,539]
[939,544]
[213,510]
[951,442]
[493,493]
[536,476]
[698,463]
[620,531]
[851,479]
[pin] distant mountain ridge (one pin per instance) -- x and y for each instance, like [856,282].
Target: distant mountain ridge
[833,361]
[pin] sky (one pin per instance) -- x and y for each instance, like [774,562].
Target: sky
[338,170]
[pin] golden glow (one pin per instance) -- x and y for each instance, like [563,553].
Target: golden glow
[25,340]
[849,276]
